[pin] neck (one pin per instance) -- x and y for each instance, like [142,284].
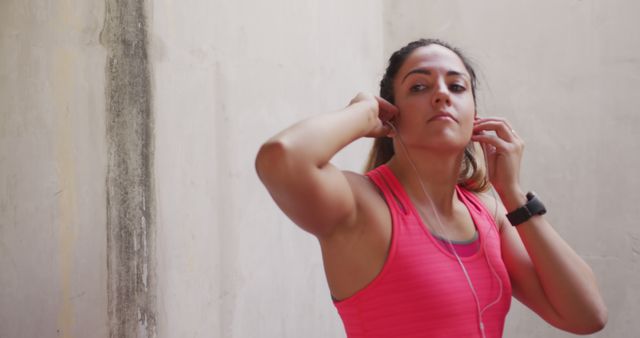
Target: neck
[438,172]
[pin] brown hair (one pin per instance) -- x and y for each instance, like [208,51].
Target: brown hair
[471,176]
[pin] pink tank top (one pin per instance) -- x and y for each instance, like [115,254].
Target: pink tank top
[421,290]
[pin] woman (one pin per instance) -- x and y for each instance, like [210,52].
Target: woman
[419,246]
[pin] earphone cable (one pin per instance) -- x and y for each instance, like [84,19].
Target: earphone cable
[448,238]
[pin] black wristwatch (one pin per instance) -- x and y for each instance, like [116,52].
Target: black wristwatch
[531,208]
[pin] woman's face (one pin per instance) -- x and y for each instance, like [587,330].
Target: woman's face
[432,91]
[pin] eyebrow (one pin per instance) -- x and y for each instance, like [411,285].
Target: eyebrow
[428,72]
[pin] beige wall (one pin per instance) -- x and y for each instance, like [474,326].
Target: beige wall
[52,170]
[226,75]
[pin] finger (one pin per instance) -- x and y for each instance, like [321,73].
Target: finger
[387,110]
[381,131]
[478,121]
[492,119]
[501,145]
[501,128]
[488,149]
[384,103]
[489,157]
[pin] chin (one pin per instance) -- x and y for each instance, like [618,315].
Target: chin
[444,140]
[449,142]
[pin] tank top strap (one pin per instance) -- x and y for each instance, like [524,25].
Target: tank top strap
[384,179]
[476,206]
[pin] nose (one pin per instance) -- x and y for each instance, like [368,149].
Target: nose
[441,96]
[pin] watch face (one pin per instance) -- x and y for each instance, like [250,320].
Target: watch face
[531,208]
[536,207]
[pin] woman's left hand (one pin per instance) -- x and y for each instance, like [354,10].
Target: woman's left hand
[504,152]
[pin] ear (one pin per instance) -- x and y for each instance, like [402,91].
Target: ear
[393,132]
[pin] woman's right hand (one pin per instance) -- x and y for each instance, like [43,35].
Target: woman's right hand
[381,109]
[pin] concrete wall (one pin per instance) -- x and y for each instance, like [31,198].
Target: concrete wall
[53,160]
[129,205]
[112,183]
[228,75]
[565,74]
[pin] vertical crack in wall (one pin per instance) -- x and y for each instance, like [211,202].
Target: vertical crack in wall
[130,190]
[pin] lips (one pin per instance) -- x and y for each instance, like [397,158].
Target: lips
[442,116]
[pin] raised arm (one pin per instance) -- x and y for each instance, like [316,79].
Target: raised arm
[547,275]
[294,164]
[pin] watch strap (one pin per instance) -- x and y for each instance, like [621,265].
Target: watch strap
[533,207]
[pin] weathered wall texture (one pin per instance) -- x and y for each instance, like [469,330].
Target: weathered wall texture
[566,75]
[53,274]
[129,205]
[229,74]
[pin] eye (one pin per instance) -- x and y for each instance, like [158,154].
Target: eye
[417,88]
[456,88]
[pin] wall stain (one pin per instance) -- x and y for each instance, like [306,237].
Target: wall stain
[131,225]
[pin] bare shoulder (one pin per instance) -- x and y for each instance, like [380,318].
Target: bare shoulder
[354,255]
[359,182]
[370,204]
[494,206]
[364,190]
